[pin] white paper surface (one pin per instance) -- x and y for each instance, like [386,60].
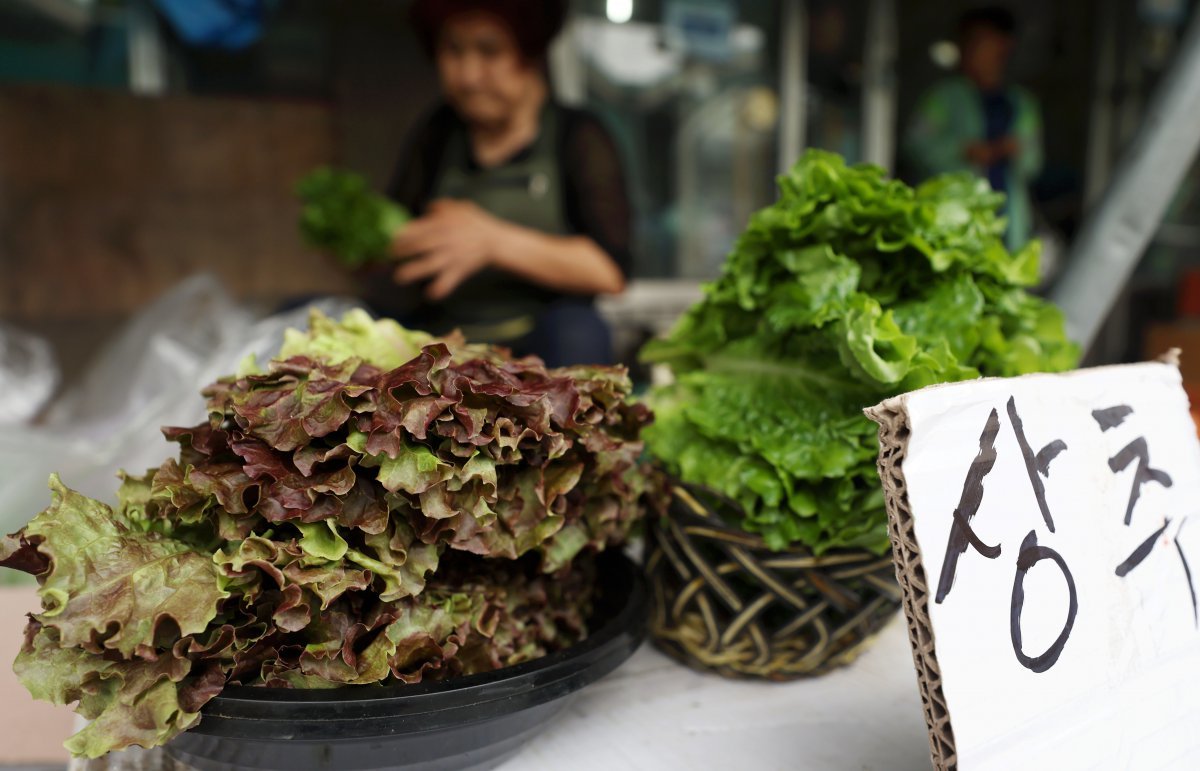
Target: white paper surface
[1125,689]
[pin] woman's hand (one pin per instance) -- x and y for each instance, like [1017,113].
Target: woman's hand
[1006,147]
[980,153]
[986,153]
[457,239]
[453,241]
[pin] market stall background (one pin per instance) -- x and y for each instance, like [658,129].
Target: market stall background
[133,159]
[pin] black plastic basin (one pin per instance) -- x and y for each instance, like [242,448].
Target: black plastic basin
[472,722]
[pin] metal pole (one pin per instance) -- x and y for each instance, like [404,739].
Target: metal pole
[792,82]
[147,59]
[1144,181]
[879,85]
[567,70]
[1101,122]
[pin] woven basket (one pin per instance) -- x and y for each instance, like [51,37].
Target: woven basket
[722,601]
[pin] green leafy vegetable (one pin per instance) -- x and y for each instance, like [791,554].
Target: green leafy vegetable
[112,593]
[343,216]
[108,579]
[376,506]
[382,342]
[850,288]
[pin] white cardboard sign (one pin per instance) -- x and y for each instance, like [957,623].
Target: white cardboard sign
[1058,520]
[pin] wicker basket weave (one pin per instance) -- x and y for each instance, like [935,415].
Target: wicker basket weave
[723,601]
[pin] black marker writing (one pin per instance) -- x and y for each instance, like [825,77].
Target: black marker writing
[961,533]
[1038,466]
[1141,552]
[1111,417]
[1047,454]
[1187,571]
[1139,450]
[1031,554]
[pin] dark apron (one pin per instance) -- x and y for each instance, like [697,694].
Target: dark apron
[494,306]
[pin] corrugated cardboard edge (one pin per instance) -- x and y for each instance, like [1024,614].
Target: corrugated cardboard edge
[892,418]
[1170,357]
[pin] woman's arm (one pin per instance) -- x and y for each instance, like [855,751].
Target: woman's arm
[574,264]
[595,194]
[456,239]
[409,185]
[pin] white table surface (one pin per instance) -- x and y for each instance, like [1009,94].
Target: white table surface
[655,714]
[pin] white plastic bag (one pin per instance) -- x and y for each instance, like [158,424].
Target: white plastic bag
[28,375]
[149,376]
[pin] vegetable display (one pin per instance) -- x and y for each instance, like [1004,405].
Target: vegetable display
[343,216]
[850,288]
[377,505]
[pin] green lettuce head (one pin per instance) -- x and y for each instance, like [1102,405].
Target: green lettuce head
[848,289]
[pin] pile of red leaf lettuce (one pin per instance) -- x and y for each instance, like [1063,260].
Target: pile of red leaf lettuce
[376,506]
[849,289]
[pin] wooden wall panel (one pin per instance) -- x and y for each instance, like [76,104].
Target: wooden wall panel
[107,199]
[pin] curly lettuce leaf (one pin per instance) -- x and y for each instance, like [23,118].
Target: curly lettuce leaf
[129,702]
[111,585]
[382,342]
[116,600]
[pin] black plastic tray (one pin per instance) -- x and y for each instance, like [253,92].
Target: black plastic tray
[472,722]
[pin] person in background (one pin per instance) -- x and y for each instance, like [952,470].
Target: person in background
[522,215]
[979,121]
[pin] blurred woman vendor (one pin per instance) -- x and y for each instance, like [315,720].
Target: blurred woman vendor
[522,212]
